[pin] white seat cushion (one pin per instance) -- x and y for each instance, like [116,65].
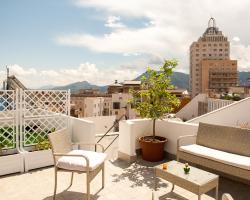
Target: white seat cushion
[217,155]
[79,163]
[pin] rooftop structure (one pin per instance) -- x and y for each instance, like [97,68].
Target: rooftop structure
[124,87]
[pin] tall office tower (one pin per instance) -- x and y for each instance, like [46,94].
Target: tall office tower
[211,69]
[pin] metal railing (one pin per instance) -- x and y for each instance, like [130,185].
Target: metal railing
[116,127]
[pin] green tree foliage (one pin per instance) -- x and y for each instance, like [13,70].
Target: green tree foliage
[154,99]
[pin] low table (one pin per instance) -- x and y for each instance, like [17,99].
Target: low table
[197,181]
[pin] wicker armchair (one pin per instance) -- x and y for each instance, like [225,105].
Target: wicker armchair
[79,161]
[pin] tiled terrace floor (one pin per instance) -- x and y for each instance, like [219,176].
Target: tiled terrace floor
[123,181]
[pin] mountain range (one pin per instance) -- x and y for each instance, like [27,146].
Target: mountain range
[179,79]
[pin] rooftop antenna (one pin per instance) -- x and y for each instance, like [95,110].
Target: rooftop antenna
[212,22]
[8,73]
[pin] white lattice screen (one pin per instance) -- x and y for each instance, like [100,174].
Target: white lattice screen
[7,119]
[30,115]
[43,112]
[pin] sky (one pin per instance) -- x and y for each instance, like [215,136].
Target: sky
[57,42]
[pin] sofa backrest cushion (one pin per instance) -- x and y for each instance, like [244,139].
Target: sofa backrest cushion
[224,138]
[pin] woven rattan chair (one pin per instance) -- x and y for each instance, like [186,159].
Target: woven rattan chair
[79,161]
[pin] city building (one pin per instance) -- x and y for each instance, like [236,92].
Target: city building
[93,106]
[120,106]
[211,69]
[241,91]
[90,103]
[120,97]
[124,87]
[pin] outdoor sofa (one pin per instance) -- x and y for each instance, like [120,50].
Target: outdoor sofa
[220,148]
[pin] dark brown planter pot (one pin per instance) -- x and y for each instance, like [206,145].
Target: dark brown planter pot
[152,151]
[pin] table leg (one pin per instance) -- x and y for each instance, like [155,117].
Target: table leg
[217,192]
[172,188]
[199,197]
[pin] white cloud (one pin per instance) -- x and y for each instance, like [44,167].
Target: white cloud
[236,39]
[114,22]
[241,53]
[32,78]
[171,26]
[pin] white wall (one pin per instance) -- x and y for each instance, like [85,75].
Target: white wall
[190,110]
[101,123]
[231,115]
[131,130]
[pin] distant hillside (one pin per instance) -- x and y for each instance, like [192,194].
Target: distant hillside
[179,79]
[74,87]
[243,76]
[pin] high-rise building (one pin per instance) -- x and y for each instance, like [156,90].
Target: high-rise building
[211,69]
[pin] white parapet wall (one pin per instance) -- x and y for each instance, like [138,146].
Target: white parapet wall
[131,130]
[102,123]
[190,110]
[231,115]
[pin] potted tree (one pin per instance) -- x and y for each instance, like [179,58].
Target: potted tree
[154,101]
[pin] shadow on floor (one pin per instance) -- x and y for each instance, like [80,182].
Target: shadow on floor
[171,196]
[138,173]
[71,195]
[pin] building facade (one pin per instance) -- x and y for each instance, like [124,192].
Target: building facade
[210,61]
[90,103]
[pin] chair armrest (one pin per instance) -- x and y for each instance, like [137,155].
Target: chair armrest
[73,155]
[181,138]
[90,144]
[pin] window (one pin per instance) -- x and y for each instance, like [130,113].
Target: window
[116,105]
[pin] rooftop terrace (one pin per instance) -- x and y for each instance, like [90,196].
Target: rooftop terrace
[123,181]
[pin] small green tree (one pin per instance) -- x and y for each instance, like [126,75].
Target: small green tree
[154,99]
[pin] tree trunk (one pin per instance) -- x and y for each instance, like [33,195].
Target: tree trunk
[154,129]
